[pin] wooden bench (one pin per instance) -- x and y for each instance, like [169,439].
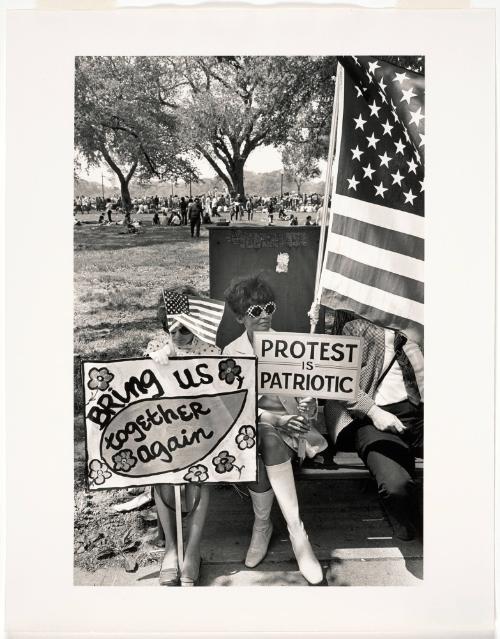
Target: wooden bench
[347,466]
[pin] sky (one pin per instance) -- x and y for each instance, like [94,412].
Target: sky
[262,160]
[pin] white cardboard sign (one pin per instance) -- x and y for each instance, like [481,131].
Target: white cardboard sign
[302,365]
[190,421]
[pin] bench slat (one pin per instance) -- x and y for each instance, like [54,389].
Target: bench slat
[347,466]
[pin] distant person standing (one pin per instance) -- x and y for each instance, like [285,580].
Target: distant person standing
[183,205]
[194,214]
[249,208]
[109,208]
[270,212]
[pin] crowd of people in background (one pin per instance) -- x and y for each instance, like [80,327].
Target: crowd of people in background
[174,210]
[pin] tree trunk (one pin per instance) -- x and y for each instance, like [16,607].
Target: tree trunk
[237,177]
[124,180]
[125,194]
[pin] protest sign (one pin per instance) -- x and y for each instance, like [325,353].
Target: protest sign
[308,365]
[190,421]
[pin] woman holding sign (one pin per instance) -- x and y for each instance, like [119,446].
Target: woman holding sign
[178,338]
[282,422]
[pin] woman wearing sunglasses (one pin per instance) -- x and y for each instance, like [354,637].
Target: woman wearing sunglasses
[178,340]
[282,420]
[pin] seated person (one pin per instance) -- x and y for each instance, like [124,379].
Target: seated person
[385,424]
[178,340]
[174,219]
[282,422]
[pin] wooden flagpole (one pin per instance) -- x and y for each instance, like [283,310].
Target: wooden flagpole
[339,87]
[313,313]
[178,522]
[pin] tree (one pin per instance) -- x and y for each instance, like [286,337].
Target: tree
[236,104]
[121,117]
[299,163]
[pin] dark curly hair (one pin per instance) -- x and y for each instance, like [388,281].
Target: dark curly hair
[161,313]
[244,292]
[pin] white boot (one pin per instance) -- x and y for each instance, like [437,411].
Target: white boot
[262,527]
[283,483]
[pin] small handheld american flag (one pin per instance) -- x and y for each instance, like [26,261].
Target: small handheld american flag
[201,315]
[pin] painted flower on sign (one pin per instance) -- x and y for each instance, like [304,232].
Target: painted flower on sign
[224,462]
[229,371]
[246,437]
[124,460]
[99,378]
[98,472]
[197,474]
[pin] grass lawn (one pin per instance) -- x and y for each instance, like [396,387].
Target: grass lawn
[117,280]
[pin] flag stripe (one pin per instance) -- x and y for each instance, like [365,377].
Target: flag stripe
[196,320]
[208,306]
[194,326]
[378,258]
[203,319]
[385,280]
[383,300]
[392,219]
[378,236]
[334,299]
[208,313]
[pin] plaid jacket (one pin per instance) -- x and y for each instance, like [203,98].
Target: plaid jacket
[339,414]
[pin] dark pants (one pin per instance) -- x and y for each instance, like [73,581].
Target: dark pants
[184,217]
[195,225]
[390,458]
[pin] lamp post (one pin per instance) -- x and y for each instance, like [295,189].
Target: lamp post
[281,189]
[190,194]
[102,184]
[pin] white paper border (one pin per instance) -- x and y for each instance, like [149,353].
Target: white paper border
[456,596]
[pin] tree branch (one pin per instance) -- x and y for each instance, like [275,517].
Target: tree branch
[216,167]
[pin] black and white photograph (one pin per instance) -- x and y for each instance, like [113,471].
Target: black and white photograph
[218,199]
[233,230]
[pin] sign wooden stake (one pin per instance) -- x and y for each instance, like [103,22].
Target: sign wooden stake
[178,523]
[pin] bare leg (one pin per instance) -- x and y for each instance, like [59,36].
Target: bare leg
[195,525]
[164,494]
[262,484]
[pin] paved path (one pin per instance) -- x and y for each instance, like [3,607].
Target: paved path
[346,526]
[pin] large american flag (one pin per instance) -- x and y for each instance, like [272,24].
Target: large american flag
[201,315]
[374,259]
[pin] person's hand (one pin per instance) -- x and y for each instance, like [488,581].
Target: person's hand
[162,355]
[385,421]
[292,424]
[308,407]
